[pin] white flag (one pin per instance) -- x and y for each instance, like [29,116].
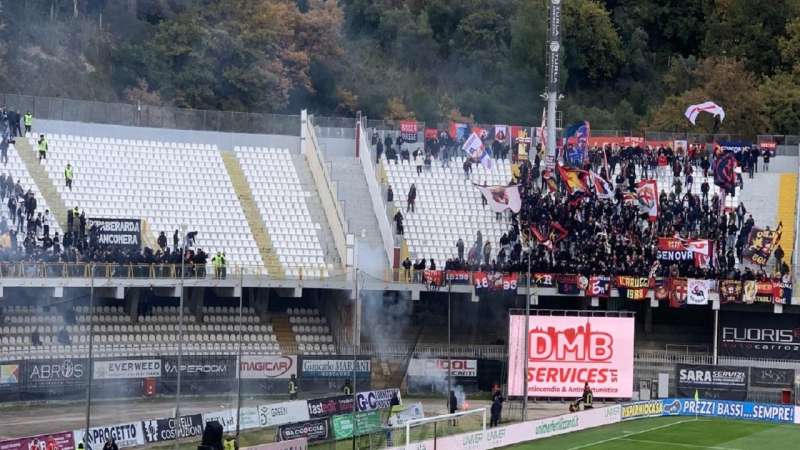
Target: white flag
[697,292]
[477,151]
[501,198]
[710,107]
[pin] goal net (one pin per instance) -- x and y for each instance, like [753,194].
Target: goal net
[429,429]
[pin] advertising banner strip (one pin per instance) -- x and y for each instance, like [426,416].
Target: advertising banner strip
[200,367]
[639,410]
[759,335]
[124,434]
[331,367]
[771,378]
[767,412]
[227,418]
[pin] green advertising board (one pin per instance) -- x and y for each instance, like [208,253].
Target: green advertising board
[366,422]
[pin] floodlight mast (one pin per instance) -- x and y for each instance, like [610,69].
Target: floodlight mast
[553,76]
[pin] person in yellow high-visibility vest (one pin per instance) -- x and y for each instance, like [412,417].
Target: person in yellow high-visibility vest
[68,174]
[42,145]
[28,120]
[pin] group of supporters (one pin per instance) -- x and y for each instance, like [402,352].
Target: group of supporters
[579,230]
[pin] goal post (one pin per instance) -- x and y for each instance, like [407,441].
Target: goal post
[459,422]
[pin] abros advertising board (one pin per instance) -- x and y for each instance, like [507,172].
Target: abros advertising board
[566,352]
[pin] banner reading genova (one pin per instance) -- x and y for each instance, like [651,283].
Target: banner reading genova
[566,352]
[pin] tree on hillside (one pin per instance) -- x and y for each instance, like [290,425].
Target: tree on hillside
[726,82]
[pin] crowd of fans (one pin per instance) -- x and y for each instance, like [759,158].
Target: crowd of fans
[587,235]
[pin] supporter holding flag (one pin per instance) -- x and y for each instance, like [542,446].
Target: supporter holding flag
[477,152]
[602,188]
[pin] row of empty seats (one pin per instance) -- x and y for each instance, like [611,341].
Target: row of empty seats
[448,206]
[311,332]
[281,201]
[15,353]
[166,183]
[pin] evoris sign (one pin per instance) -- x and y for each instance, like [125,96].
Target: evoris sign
[564,353]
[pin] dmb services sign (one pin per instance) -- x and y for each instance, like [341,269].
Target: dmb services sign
[564,353]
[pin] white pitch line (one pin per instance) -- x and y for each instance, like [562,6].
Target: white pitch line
[645,441]
[592,444]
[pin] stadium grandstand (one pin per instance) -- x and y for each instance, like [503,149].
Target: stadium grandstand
[360,280]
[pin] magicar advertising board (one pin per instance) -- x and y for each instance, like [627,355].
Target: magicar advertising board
[566,352]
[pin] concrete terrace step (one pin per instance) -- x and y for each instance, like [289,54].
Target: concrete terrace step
[314,204]
[254,220]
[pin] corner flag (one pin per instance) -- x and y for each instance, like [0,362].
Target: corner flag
[696,395]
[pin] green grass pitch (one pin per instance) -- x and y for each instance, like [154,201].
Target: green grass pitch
[676,433]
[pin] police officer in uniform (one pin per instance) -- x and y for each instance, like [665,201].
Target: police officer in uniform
[293,388]
[42,147]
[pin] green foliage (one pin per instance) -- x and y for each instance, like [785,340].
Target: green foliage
[626,64]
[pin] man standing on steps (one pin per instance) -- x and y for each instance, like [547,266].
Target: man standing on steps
[68,174]
[7,140]
[42,145]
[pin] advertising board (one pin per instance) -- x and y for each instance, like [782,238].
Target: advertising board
[419,367]
[372,400]
[52,441]
[205,367]
[227,418]
[260,367]
[771,378]
[119,369]
[124,434]
[313,430]
[294,444]
[159,430]
[638,410]
[712,382]
[759,335]
[65,372]
[282,413]
[366,423]
[735,410]
[333,367]
[328,406]
[566,352]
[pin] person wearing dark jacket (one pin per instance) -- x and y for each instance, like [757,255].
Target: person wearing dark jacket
[162,241]
[496,409]
[389,195]
[412,198]
[452,405]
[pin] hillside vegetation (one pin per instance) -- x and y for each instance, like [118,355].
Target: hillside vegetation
[628,64]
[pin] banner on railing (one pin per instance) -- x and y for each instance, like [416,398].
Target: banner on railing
[119,233]
[495,282]
[767,412]
[52,441]
[294,444]
[366,423]
[638,410]
[313,430]
[160,430]
[335,367]
[282,413]
[329,406]
[67,372]
[372,400]
[712,382]
[227,418]
[124,434]
[458,367]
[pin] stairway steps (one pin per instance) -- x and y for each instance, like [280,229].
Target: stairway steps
[257,227]
[283,332]
[42,180]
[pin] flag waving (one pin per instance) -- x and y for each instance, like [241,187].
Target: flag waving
[602,188]
[710,107]
[477,151]
[501,198]
[647,198]
[573,179]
